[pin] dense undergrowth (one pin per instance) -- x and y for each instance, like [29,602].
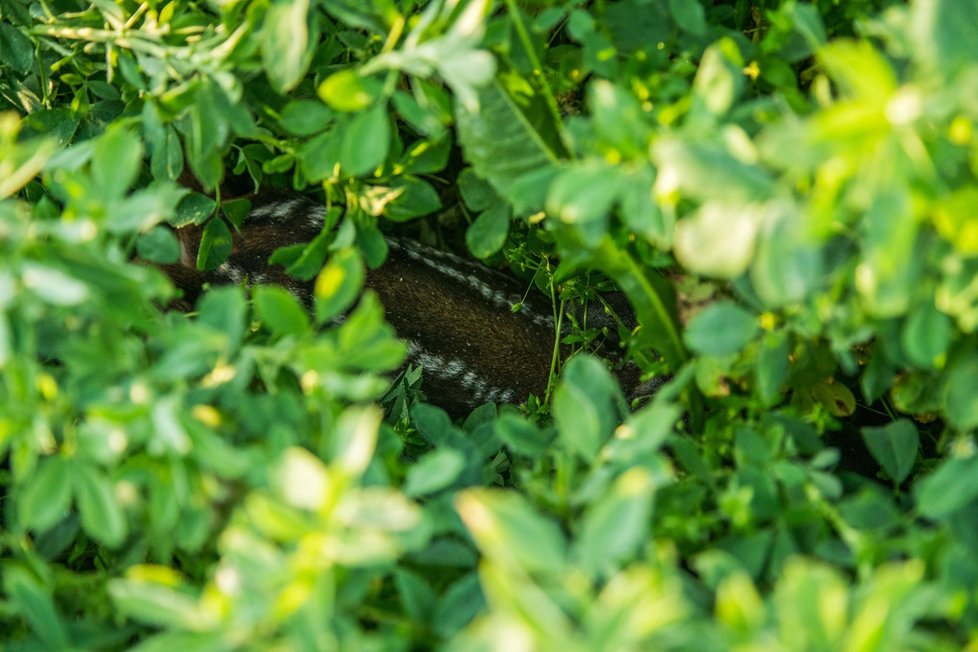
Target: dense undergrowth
[785,192]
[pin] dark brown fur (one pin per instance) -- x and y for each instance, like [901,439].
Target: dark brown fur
[456,314]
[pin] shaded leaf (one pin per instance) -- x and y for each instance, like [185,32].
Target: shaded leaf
[102,517]
[894,446]
[948,489]
[280,311]
[487,234]
[366,140]
[721,328]
[215,245]
[433,472]
[47,497]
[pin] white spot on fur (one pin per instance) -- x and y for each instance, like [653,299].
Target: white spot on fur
[278,210]
[453,270]
[469,379]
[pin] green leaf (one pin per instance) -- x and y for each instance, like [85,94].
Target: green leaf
[771,368]
[718,239]
[427,156]
[185,642]
[458,604]
[808,23]
[366,140]
[428,119]
[15,48]
[53,285]
[169,434]
[166,161]
[338,285]
[894,446]
[411,198]
[416,594]
[59,123]
[943,34]
[689,15]
[349,91]
[156,604]
[948,489]
[215,245]
[617,525]
[144,208]
[224,309]
[640,213]
[510,532]
[206,128]
[505,149]
[102,517]
[960,398]
[802,590]
[476,192]
[619,121]
[643,433]
[787,265]
[311,256]
[892,262]
[859,69]
[319,156]
[116,162]
[356,439]
[652,296]
[926,336]
[709,172]
[285,43]
[487,234]
[720,329]
[367,341]
[584,194]
[306,117]
[719,80]
[434,424]
[434,472]
[236,211]
[280,311]
[34,603]
[195,208]
[521,436]
[47,496]
[584,405]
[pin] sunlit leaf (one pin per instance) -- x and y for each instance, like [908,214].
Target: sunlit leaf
[509,531]
[338,285]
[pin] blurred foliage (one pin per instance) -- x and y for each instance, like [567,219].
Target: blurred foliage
[784,191]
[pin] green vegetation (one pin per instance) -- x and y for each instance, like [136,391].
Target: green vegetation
[801,175]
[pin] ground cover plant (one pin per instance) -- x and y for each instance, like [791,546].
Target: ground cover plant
[784,191]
